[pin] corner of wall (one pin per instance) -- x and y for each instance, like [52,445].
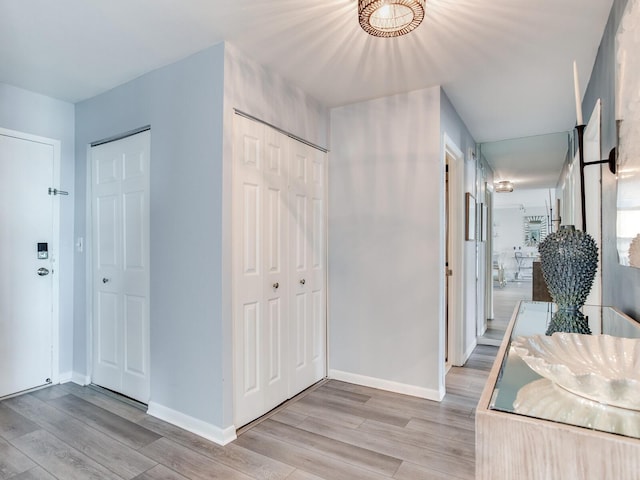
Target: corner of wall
[221,436]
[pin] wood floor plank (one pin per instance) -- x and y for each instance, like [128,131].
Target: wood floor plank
[320,412]
[110,453]
[329,391]
[304,459]
[238,458]
[115,426]
[430,455]
[112,405]
[160,472]
[363,458]
[289,417]
[442,430]
[36,473]
[368,410]
[302,475]
[409,471]
[12,461]
[12,424]
[454,440]
[191,464]
[49,393]
[453,415]
[61,460]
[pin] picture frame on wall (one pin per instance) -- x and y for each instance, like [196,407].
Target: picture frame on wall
[470,217]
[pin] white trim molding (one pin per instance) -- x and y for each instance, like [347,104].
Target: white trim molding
[193,425]
[388,385]
[80,379]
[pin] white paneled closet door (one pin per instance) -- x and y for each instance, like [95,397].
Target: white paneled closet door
[307,247]
[120,264]
[278,268]
[260,269]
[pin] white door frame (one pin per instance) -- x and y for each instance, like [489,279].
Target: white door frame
[54,251]
[86,245]
[456,252]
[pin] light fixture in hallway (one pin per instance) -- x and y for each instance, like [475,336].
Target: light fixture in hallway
[390,18]
[504,186]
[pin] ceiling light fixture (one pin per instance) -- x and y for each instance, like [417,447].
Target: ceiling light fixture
[504,186]
[390,18]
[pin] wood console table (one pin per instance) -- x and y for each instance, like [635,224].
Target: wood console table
[558,440]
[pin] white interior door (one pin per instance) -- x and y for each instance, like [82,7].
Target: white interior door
[307,340]
[120,265]
[260,265]
[278,268]
[26,296]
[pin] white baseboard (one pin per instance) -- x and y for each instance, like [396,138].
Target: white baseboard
[388,385]
[80,379]
[193,425]
[65,377]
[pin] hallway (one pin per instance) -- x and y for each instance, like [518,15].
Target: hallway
[504,301]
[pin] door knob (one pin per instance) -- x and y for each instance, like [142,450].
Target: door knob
[105,280]
[43,271]
[276,285]
[302,282]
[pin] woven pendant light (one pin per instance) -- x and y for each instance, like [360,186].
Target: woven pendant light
[390,18]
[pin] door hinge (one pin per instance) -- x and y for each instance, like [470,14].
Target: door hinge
[55,191]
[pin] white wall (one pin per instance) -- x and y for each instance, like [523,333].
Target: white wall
[385,242]
[43,116]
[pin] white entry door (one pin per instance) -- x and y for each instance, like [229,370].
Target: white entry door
[120,265]
[26,296]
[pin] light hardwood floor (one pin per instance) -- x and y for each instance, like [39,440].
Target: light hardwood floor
[504,301]
[337,431]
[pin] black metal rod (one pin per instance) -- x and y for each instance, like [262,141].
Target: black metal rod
[580,130]
[611,161]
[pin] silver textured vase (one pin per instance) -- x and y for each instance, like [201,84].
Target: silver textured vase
[569,260]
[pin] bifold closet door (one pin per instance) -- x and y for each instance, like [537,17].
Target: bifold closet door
[307,250]
[278,268]
[260,269]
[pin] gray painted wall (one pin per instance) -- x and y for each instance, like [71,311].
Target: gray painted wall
[385,239]
[455,128]
[183,104]
[40,115]
[620,285]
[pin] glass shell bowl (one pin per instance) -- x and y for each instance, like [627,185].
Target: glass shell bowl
[601,368]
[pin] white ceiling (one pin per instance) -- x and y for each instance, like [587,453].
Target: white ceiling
[506,65]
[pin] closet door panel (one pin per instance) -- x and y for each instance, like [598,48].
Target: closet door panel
[276,269]
[247,264]
[308,239]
